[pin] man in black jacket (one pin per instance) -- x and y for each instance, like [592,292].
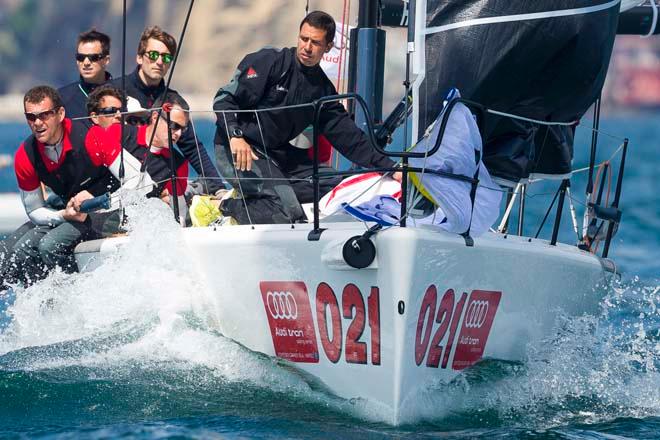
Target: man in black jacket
[155,54]
[92,58]
[256,145]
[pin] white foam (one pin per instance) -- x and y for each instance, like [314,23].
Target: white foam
[147,308]
[148,288]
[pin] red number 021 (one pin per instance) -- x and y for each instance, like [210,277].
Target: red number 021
[447,318]
[353,309]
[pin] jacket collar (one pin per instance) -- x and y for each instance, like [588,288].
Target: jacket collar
[142,87]
[89,87]
[66,147]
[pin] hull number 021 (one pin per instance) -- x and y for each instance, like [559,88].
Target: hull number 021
[451,330]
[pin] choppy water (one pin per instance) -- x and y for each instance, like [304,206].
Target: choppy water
[129,350]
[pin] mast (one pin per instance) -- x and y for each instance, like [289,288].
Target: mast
[410,49]
[367,62]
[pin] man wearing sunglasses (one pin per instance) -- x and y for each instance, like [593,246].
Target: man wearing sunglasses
[76,163]
[155,54]
[150,145]
[104,108]
[92,58]
[257,146]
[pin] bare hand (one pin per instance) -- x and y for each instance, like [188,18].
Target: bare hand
[397,176]
[79,198]
[71,214]
[165,196]
[242,154]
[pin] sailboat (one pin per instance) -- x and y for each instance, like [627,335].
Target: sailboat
[382,313]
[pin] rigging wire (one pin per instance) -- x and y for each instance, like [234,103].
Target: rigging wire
[169,80]
[123,91]
[654,20]
[124,103]
[343,48]
[238,179]
[256,111]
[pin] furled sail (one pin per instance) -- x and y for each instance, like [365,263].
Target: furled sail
[544,60]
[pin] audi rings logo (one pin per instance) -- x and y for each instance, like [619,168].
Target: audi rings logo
[282,305]
[476,314]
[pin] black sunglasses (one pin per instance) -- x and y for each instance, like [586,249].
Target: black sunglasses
[174,126]
[154,54]
[93,57]
[31,117]
[108,110]
[138,121]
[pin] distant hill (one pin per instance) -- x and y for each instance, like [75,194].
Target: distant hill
[37,38]
[37,45]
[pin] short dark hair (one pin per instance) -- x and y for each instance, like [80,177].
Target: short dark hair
[321,20]
[173,98]
[93,35]
[156,33]
[38,93]
[94,99]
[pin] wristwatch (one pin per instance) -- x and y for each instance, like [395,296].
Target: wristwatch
[235,132]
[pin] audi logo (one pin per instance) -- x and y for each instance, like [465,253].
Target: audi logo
[476,314]
[282,305]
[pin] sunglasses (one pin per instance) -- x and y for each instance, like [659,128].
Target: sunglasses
[93,57]
[174,126]
[108,110]
[154,54]
[137,121]
[31,117]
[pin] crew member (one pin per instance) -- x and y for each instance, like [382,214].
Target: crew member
[257,146]
[104,106]
[92,58]
[76,163]
[150,145]
[155,53]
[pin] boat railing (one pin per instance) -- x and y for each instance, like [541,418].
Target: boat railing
[608,215]
[402,167]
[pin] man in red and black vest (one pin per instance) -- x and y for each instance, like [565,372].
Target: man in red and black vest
[149,144]
[77,164]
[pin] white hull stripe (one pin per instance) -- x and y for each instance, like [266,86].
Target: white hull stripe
[520,17]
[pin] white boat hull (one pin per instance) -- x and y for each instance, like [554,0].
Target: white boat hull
[428,307]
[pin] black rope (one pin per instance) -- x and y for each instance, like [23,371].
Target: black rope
[547,213]
[176,55]
[473,197]
[123,91]
[307,8]
[173,176]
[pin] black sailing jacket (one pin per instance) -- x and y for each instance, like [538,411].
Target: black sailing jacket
[74,97]
[274,78]
[199,160]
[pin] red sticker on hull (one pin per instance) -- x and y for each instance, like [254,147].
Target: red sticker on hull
[290,320]
[477,321]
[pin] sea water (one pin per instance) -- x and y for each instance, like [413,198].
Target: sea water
[129,350]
